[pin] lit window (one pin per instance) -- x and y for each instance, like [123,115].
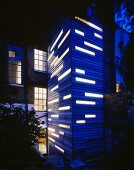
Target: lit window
[80,121]
[11,54]
[64,74]
[51,129]
[40,60]
[67,97]
[93,46]
[55,116]
[93,95]
[64,126]
[61,133]
[79,32]
[51,139]
[54,88]
[84,50]
[53,134]
[85,102]
[57,71]
[66,35]
[59,148]
[64,108]
[53,101]
[40,95]
[98,36]
[79,71]
[90,116]
[117,87]
[83,80]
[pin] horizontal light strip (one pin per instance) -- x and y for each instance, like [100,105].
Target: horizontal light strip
[51,129]
[66,35]
[52,63]
[80,121]
[93,95]
[49,110]
[62,56]
[84,50]
[79,71]
[90,24]
[51,55]
[61,133]
[57,71]
[85,80]
[49,119]
[67,97]
[51,139]
[56,40]
[64,108]
[90,116]
[79,32]
[64,126]
[93,46]
[64,74]
[59,148]
[98,36]
[54,115]
[53,101]
[53,134]
[85,102]
[54,88]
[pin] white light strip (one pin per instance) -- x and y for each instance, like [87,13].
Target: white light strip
[84,50]
[62,56]
[51,129]
[54,115]
[93,46]
[79,71]
[53,101]
[98,36]
[51,139]
[85,102]
[57,71]
[59,148]
[93,95]
[49,110]
[52,63]
[61,133]
[64,126]
[50,55]
[53,134]
[79,32]
[49,119]
[54,88]
[56,40]
[80,121]
[64,74]
[90,116]
[85,80]
[66,35]
[90,24]
[67,97]
[64,108]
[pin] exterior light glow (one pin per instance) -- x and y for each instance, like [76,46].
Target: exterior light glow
[80,121]
[52,63]
[61,133]
[79,32]
[54,88]
[59,148]
[64,74]
[57,39]
[84,50]
[51,139]
[83,80]
[66,35]
[51,129]
[51,55]
[64,108]
[93,46]
[93,95]
[98,36]
[53,101]
[64,126]
[90,116]
[79,71]
[85,102]
[54,115]
[67,97]
[57,136]
[57,71]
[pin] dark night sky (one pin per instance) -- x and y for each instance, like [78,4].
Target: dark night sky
[30,22]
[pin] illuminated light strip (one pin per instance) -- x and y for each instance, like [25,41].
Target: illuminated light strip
[49,110]
[90,116]
[59,148]
[57,39]
[64,108]
[64,74]
[79,32]
[51,139]
[57,71]
[84,50]
[80,121]
[57,136]
[53,101]
[49,119]
[54,88]
[79,71]
[51,129]
[64,126]
[52,63]
[54,115]
[62,56]
[90,24]
[93,46]
[50,55]
[67,97]
[61,133]
[93,95]
[98,36]
[85,102]
[85,80]
[66,35]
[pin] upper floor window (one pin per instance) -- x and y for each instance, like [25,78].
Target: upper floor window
[40,60]
[11,53]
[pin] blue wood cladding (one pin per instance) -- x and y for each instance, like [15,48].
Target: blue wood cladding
[75,91]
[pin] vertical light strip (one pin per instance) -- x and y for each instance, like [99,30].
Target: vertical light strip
[84,50]
[83,80]
[93,95]
[64,74]
[98,35]
[50,56]
[57,39]
[93,46]
[85,102]
[66,35]
[79,32]
[54,88]
[79,71]
[59,148]
[57,70]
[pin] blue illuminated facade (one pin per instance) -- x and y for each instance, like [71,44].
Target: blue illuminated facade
[75,90]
